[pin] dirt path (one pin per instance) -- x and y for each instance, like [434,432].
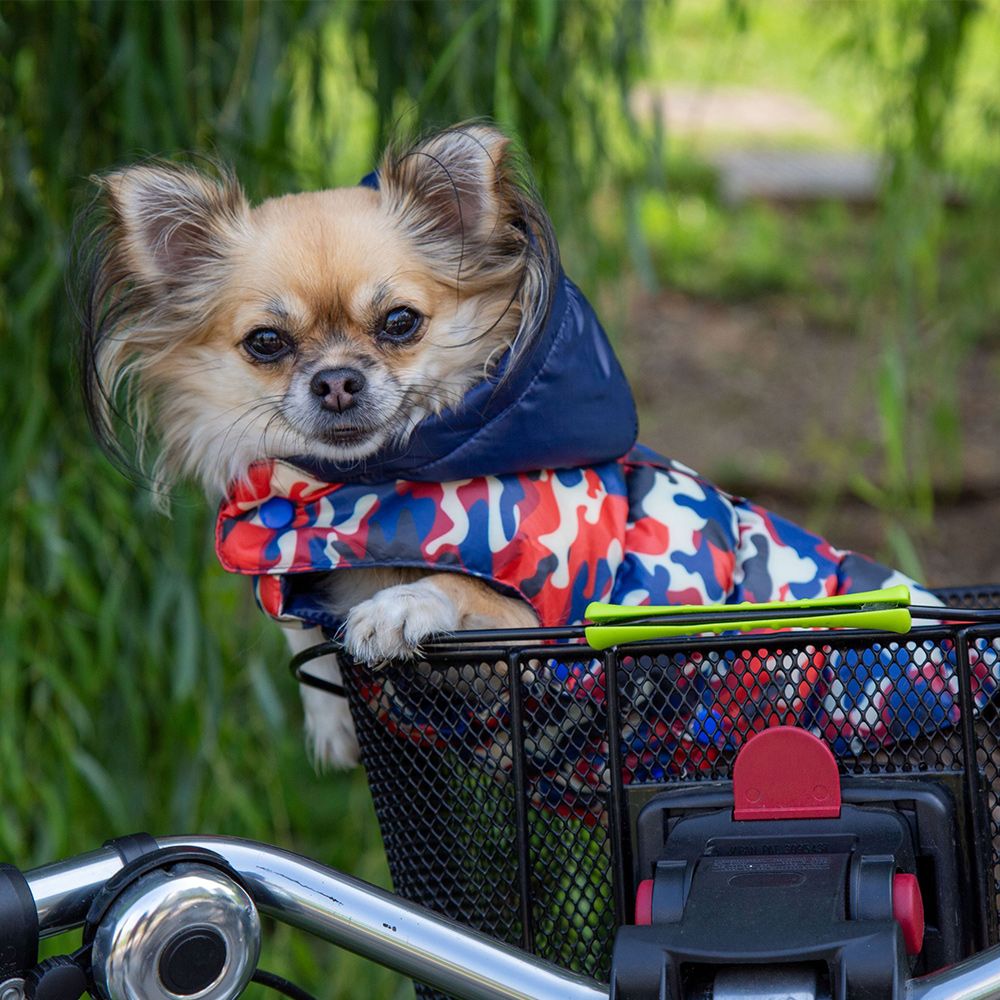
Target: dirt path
[766,406]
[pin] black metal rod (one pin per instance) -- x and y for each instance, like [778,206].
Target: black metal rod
[313,653]
[503,635]
[983,615]
[320,683]
[619,826]
[311,680]
[971,780]
[520,801]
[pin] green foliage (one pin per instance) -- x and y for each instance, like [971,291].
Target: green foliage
[914,51]
[556,74]
[141,688]
[702,248]
[916,81]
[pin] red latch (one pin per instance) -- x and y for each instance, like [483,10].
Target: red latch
[908,909]
[785,773]
[644,903]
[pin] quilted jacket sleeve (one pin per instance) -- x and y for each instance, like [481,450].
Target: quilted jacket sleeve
[778,560]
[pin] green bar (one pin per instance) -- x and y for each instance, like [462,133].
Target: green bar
[883,620]
[898,596]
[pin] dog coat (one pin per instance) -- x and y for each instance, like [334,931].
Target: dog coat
[640,530]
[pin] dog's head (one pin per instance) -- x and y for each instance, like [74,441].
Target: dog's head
[325,324]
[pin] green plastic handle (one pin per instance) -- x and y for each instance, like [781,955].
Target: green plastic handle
[892,597]
[883,620]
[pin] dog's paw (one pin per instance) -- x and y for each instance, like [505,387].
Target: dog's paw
[393,623]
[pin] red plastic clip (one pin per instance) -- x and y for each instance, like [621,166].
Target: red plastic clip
[785,773]
[908,909]
[644,903]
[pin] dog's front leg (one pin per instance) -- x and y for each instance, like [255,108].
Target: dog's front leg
[392,624]
[330,732]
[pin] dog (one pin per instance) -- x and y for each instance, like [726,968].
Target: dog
[333,328]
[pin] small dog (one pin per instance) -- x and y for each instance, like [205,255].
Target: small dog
[334,327]
[324,324]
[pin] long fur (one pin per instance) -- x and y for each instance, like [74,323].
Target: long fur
[137,303]
[439,198]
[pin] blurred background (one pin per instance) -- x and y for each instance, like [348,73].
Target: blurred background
[785,211]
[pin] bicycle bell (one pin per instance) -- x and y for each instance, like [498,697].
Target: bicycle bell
[173,930]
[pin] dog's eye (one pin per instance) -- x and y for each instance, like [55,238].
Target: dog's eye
[400,325]
[266,344]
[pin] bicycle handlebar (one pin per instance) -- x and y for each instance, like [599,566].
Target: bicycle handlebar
[410,939]
[338,908]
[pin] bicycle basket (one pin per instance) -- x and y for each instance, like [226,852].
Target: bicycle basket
[506,779]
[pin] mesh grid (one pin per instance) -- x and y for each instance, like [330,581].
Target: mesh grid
[719,697]
[471,773]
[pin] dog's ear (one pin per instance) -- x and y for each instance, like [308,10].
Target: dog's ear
[465,197]
[453,182]
[147,259]
[170,220]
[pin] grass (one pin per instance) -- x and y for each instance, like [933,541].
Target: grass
[785,47]
[142,688]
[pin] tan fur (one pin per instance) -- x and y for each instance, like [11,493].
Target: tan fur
[479,604]
[186,269]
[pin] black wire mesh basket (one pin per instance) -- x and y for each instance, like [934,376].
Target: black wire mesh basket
[507,777]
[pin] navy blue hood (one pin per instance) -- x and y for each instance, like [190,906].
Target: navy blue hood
[565,403]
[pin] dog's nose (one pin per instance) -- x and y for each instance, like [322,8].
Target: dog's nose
[337,388]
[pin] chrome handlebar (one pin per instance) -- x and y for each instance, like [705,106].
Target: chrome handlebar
[378,925]
[340,909]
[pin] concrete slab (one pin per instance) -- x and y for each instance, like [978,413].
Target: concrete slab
[797,175]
